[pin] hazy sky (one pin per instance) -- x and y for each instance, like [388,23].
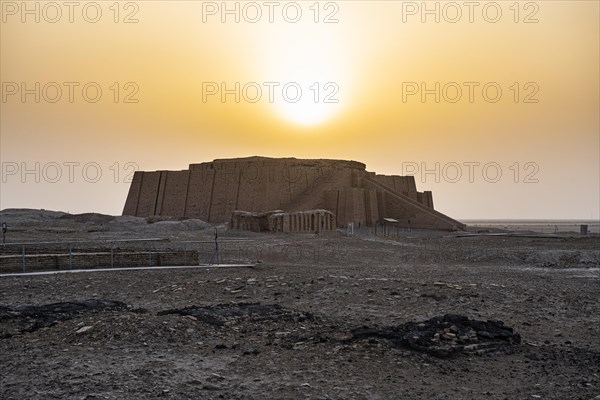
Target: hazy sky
[494,106]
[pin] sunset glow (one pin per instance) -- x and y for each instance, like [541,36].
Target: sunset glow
[386,83]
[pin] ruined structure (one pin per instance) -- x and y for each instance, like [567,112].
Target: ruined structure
[212,191]
[278,221]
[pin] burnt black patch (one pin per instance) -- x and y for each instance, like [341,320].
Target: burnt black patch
[445,336]
[26,318]
[219,314]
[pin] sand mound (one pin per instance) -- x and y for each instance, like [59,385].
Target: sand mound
[94,218]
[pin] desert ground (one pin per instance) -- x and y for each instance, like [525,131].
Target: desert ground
[486,314]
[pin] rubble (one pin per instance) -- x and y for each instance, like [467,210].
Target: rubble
[445,336]
[356,324]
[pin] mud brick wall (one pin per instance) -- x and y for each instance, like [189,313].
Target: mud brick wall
[212,191]
[402,184]
[120,259]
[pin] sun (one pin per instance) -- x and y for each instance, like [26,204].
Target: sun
[308,99]
[310,75]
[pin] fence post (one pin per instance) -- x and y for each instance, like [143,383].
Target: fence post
[23,254]
[184,254]
[112,259]
[70,256]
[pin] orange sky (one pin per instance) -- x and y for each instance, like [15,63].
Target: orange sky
[373,57]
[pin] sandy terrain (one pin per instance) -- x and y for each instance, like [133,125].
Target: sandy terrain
[419,316]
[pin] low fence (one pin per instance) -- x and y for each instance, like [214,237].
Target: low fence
[33,257]
[43,256]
